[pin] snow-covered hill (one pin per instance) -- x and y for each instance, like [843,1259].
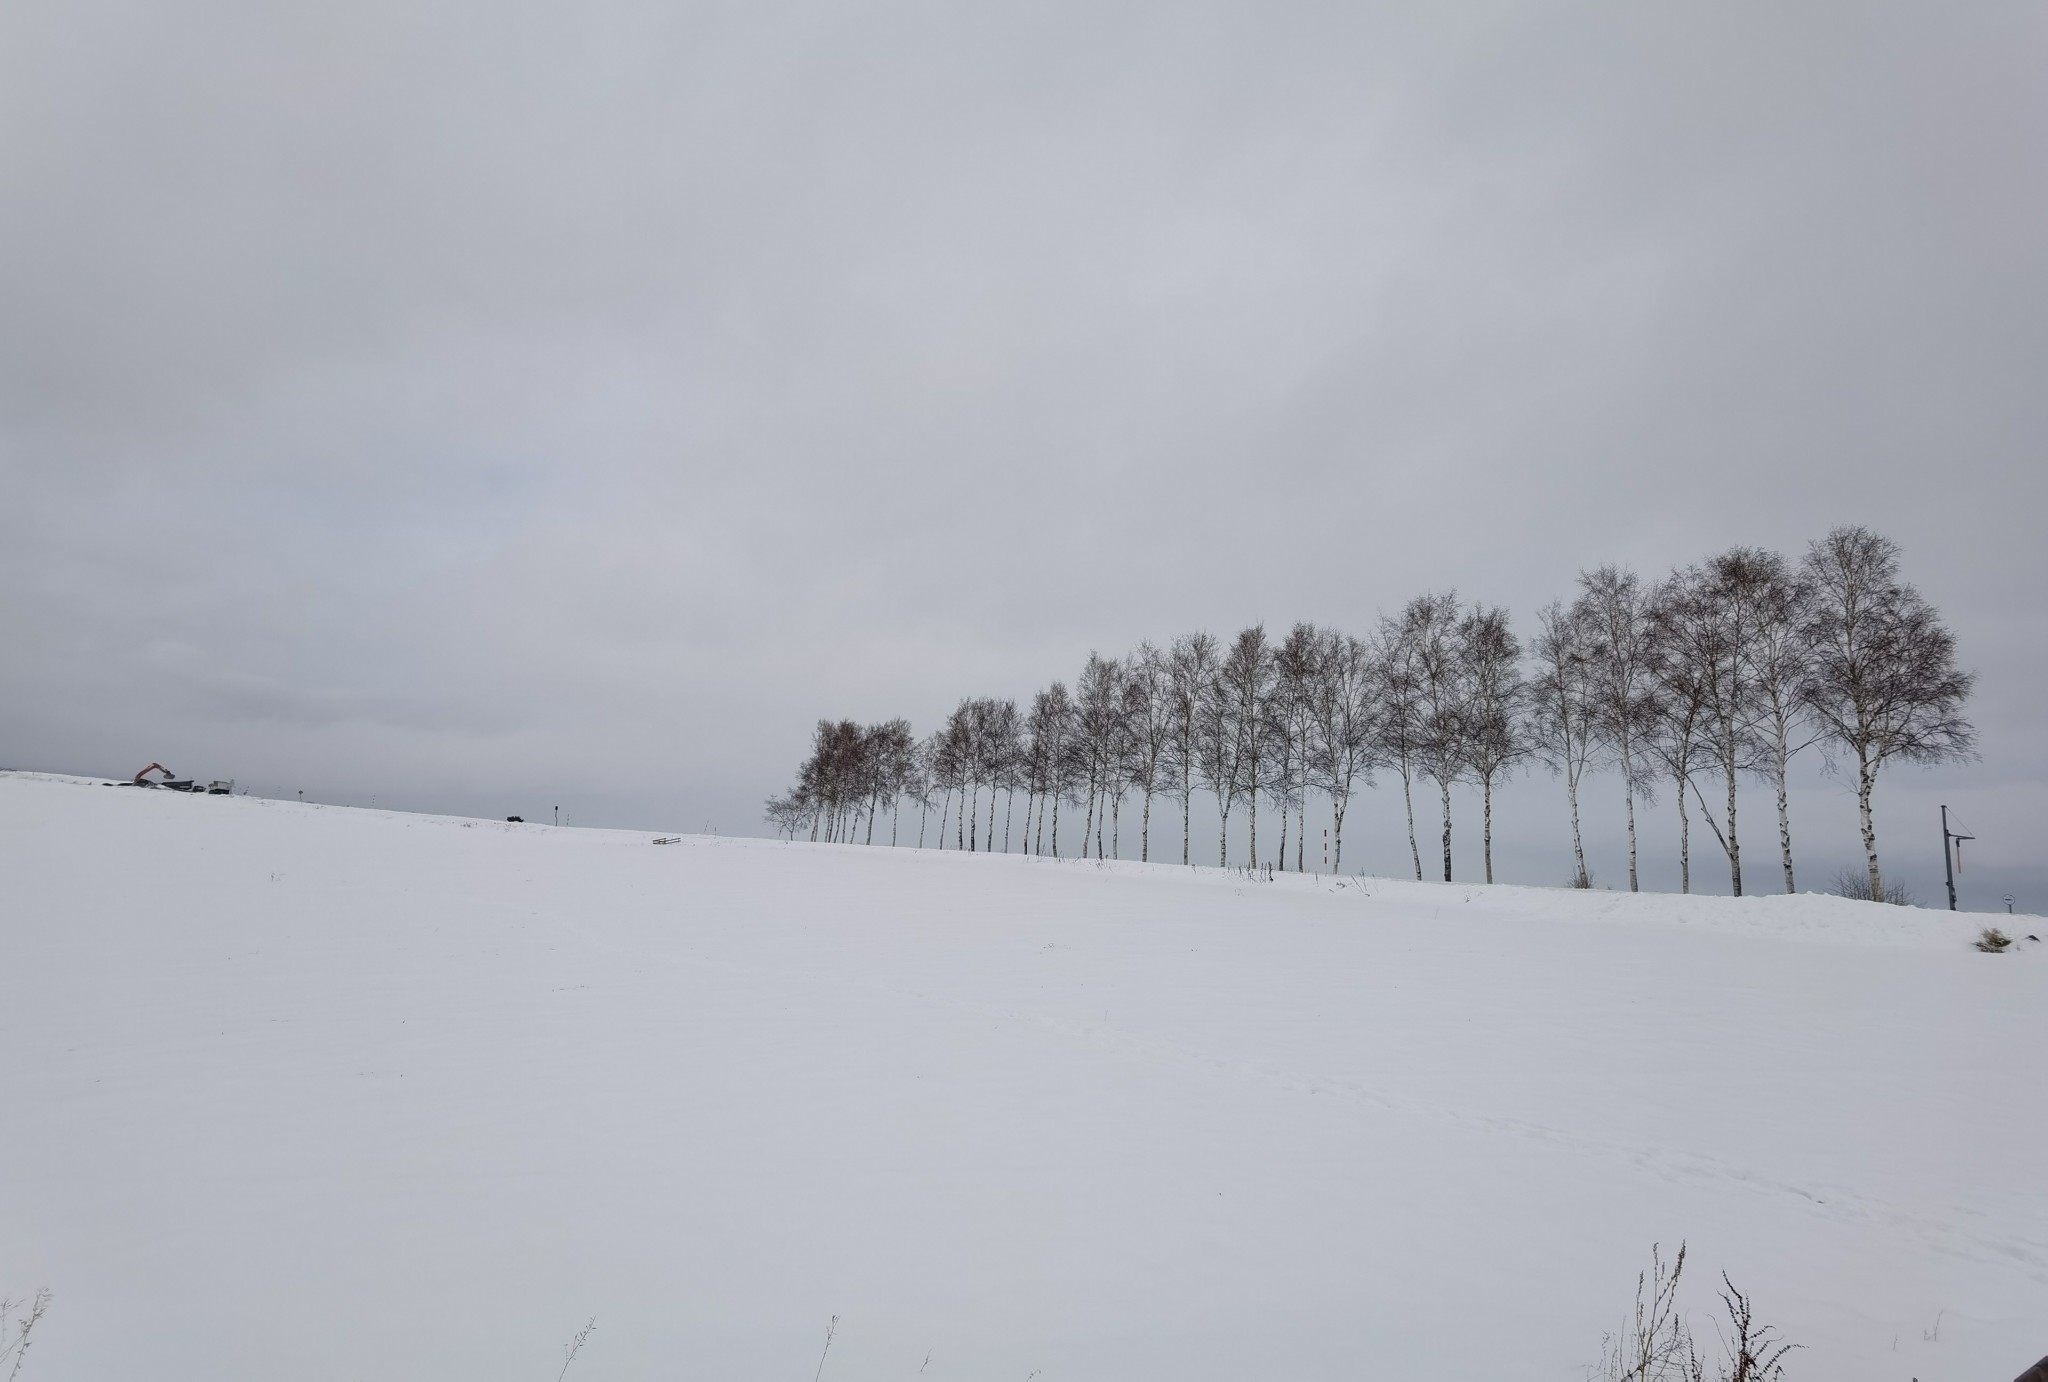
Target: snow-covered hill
[304,1092]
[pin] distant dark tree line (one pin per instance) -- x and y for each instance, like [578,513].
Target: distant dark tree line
[1721,672]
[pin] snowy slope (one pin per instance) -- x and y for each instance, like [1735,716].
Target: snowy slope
[305,1092]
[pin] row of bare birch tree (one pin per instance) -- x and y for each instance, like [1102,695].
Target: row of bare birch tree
[1723,671]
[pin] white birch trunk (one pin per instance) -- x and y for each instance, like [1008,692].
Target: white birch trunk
[1580,879]
[1733,842]
[1187,818]
[1408,796]
[1783,767]
[1486,795]
[1684,837]
[1632,884]
[1446,788]
[1628,782]
[1301,838]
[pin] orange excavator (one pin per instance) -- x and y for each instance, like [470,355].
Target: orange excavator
[169,779]
[176,783]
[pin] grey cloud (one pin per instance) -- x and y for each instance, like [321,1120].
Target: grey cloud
[619,389]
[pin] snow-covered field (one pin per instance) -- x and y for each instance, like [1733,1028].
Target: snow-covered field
[316,1093]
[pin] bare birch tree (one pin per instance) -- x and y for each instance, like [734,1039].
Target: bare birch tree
[1400,717]
[1344,729]
[1705,623]
[1443,691]
[1121,770]
[998,747]
[1191,673]
[1681,708]
[789,814]
[892,750]
[1780,665]
[1032,769]
[1613,607]
[955,762]
[1246,684]
[918,785]
[1220,754]
[1884,682]
[1051,728]
[1495,739]
[1098,708]
[1149,721]
[1295,673]
[1562,720]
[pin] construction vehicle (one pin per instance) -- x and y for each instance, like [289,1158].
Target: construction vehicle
[169,779]
[178,784]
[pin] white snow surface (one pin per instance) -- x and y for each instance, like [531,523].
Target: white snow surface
[317,1093]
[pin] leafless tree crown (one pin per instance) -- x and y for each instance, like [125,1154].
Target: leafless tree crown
[1722,671]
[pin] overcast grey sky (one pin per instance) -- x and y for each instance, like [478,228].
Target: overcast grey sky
[485,406]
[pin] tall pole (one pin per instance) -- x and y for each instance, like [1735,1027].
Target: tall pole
[1948,841]
[1948,860]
